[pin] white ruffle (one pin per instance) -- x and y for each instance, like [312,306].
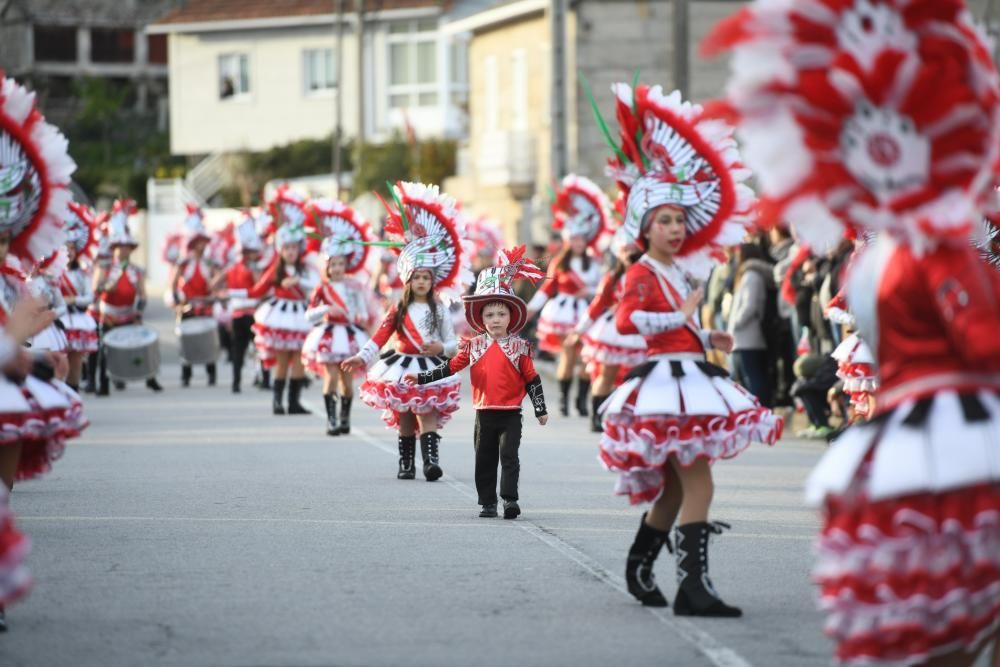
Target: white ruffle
[51,338]
[332,343]
[602,342]
[283,315]
[853,350]
[561,313]
[393,373]
[946,452]
[80,321]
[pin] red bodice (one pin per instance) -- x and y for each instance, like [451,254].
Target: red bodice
[648,289]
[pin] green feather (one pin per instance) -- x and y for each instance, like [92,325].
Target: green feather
[600,120]
[399,205]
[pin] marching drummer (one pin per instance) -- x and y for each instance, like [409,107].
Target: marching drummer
[235,285]
[120,287]
[192,282]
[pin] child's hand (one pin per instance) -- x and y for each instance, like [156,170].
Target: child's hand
[543,420]
[410,379]
[352,363]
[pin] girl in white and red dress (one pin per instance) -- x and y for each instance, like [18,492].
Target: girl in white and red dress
[338,308]
[237,282]
[908,558]
[676,414]
[855,361]
[121,286]
[432,261]
[77,291]
[608,354]
[280,324]
[192,282]
[582,212]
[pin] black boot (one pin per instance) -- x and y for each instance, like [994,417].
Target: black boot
[186,375]
[564,386]
[210,370]
[582,394]
[345,415]
[295,386]
[105,387]
[151,383]
[330,401]
[265,378]
[595,417]
[3,620]
[695,594]
[429,454]
[91,387]
[279,394]
[639,566]
[407,454]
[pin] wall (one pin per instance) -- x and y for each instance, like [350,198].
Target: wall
[276,111]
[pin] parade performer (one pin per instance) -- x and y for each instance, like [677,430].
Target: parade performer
[855,361]
[44,285]
[280,326]
[607,352]
[102,258]
[238,280]
[338,308]
[120,287]
[432,263]
[192,283]
[883,117]
[502,375]
[77,291]
[582,213]
[676,414]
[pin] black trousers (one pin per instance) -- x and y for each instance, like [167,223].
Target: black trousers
[498,437]
[239,342]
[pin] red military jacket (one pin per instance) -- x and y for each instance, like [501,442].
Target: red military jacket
[932,320]
[501,370]
[651,307]
[240,280]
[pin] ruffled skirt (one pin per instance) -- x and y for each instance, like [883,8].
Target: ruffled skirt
[856,367]
[331,344]
[384,389]
[558,318]
[908,559]
[603,344]
[280,325]
[15,580]
[81,332]
[683,407]
[51,338]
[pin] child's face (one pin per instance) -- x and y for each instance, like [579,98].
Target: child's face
[336,267]
[421,282]
[496,319]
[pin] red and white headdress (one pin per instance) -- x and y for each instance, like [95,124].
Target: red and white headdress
[874,115]
[194,226]
[581,209]
[431,229]
[486,237]
[671,154]
[291,216]
[247,235]
[118,229]
[497,284]
[80,228]
[345,232]
[989,242]
[35,170]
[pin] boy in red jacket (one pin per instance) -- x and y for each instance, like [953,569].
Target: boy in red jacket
[502,374]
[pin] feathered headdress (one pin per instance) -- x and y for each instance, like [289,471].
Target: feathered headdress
[118,229]
[990,242]
[581,209]
[344,232]
[875,115]
[194,225]
[35,170]
[486,237]
[497,284]
[431,231]
[80,228]
[669,153]
[291,216]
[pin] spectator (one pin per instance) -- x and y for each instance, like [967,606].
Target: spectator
[747,321]
[816,376]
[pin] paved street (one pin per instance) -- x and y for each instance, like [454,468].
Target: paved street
[194,528]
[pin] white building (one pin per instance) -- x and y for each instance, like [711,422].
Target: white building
[261,73]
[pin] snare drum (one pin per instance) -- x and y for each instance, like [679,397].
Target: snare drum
[199,337]
[132,352]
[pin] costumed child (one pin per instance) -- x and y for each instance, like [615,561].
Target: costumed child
[431,262]
[502,375]
[607,352]
[676,414]
[237,282]
[855,362]
[192,283]
[280,324]
[77,290]
[338,308]
[582,212]
[883,117]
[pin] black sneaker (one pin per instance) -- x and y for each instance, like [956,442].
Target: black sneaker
[511,510]
[489,511]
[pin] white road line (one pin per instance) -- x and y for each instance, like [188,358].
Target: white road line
[715,652]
